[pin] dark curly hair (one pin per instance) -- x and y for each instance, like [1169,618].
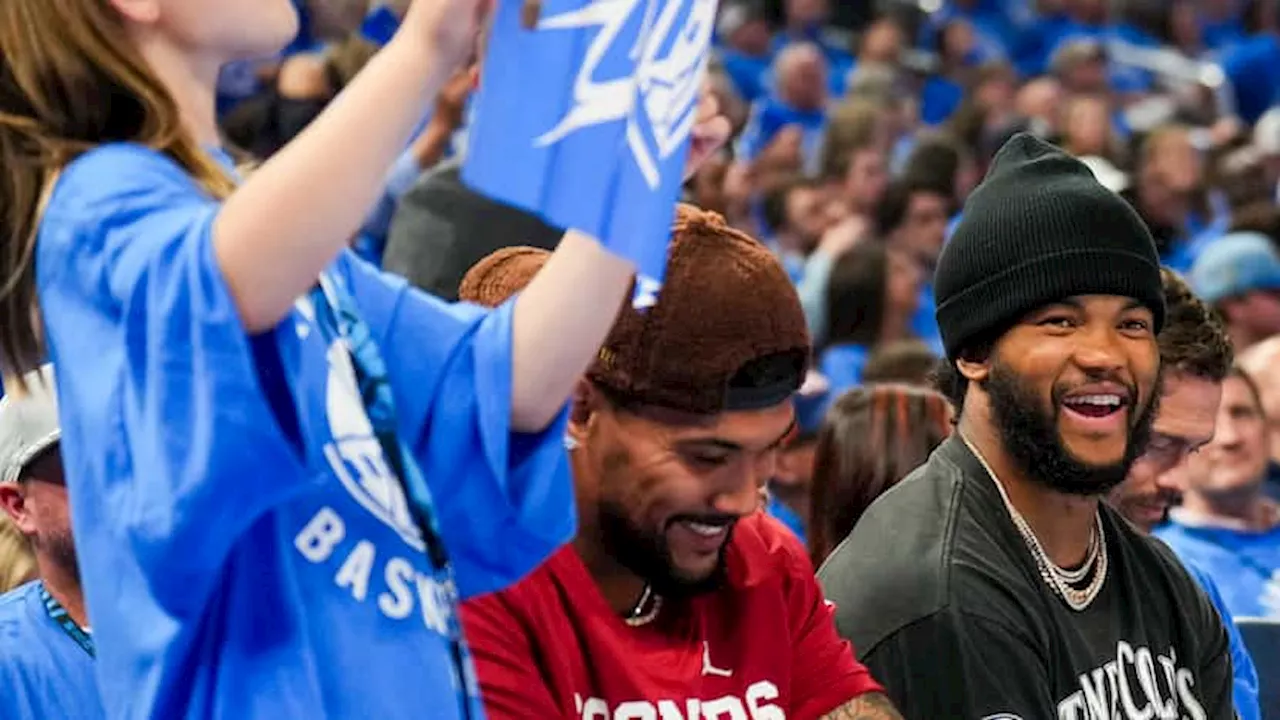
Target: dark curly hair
[1193,339]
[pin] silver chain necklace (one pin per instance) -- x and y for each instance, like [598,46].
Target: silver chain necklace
[1062,582]
[638,616]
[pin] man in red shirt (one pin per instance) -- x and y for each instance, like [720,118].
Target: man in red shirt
[679,599]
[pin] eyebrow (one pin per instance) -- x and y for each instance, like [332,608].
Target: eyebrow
[730,446]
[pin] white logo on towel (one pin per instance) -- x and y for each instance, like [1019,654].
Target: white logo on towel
[658,94]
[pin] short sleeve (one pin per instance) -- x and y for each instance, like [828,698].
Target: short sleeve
[504,500]
[962,667]
[506,662]
[1228,680]
[171,450]
[825,672]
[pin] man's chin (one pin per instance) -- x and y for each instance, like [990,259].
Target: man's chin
[688,582]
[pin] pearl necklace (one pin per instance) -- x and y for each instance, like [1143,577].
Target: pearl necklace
[638,617]
[1062,582]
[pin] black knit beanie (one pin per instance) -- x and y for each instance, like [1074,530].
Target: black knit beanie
[1039,229]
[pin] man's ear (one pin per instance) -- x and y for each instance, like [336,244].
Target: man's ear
[973,369]
[587,402]
[14,503]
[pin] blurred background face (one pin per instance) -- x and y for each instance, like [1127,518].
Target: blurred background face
[866,180]
[668,488]
[37,504]
[882,43]
[1235,461]
[902,287]
[802,78]
[1088,127]
[806,13]
[807,216]
[924,227]
[1184,423]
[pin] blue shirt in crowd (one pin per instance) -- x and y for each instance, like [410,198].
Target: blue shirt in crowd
[44,674]
[1245,684]
[1244,565]
[247,551]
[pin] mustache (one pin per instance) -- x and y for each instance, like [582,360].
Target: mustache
[712,519]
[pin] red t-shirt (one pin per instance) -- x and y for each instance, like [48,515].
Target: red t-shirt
[764,647]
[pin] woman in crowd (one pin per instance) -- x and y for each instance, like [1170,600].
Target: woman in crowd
[285,465]
[872,437]
[871,297]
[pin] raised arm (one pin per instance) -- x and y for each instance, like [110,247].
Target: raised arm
[562,318]
[277,232]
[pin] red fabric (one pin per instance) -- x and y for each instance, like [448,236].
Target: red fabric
[551,647]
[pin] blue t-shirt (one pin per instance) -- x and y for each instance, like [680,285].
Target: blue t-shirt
[246,550]
[1244,565]
[44,674]
[842,364]
[1245,683]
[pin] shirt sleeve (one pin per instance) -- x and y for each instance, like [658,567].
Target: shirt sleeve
[1218,681]
[506,663]
[169,441]
[825,672]
[964,667]
[504,500]
[1244,674]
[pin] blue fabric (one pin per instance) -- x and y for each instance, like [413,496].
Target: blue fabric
[748,73]
[1250,68]
[1245,684]
[924,324]
[246,549]
[588,127]
[842,366]
[784,514]
[380,25]
[305,40]
[44,674]
[769,116]
[1244,565]
[939,98]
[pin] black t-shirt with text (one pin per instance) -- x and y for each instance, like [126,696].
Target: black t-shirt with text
[942,598]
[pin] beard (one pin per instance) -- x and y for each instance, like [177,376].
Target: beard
[647,555]
[1030,435]
[61,549]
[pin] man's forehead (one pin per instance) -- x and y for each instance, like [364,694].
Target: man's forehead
[1188,407]
[734,424]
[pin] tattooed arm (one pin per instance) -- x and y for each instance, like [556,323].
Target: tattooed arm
[872,706]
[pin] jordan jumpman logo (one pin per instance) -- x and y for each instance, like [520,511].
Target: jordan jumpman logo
[707,667]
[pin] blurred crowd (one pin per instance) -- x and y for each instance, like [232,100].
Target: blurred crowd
[860,129]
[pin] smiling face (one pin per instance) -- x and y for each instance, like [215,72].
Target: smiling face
[666,488]
[1184,423]
[1234,463]
[1070,390]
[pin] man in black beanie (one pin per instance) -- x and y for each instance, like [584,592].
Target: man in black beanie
[992,583]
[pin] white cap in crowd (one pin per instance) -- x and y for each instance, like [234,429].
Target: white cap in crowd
[28,423]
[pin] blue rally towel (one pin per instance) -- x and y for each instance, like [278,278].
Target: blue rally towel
[586,120]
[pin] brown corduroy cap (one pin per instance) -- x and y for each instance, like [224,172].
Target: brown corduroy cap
[501,274]
[727,331]
[725,304]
